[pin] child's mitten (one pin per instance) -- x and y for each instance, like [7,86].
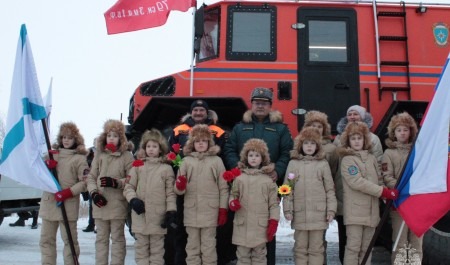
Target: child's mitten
[271,229]
[137,205]
[63,195]
[235,205]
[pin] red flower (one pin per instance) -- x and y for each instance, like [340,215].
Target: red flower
[176,148]
[228,176]
[111,148]
[171,156]
[138,163]
[236,172]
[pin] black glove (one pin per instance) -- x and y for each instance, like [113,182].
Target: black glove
[137,205]
[108,182]
[98,199]
[170,220]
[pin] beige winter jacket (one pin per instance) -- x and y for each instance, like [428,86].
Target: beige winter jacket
[331,156]
[115,165]
[152,183]
[362,187]
[70,168]
[206,189]
[312,197]
[257,194]
[393,161]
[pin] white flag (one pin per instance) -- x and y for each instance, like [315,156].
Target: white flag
[21,158]
[47,99]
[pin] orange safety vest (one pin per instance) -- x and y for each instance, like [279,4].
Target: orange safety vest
[216,131]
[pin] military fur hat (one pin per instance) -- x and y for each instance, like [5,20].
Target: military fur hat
[356,128]
[262,93]
[198,132]
[317,116]
[308,133]
[70,129]
[402,119]
[256,145]
[155,136]
[117,127]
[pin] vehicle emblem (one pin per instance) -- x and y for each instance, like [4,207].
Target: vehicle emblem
[440,32]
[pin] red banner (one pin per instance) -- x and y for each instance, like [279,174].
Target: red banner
[132,15]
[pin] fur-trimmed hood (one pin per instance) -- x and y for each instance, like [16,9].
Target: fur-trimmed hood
[70,129]
[356,128]
[212,151]
[347,151]
[256,145]
[274,116]
[254,171]
[212,118]
[317,116]
[155,136]
[199,131]
[307,133]
[396,145]
[402,119]
[368,120]
[118,127]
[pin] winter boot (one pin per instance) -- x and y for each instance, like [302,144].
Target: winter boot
[19,222]
[89,228]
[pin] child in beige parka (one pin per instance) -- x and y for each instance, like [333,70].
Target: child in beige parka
[106,181]
[362,186]
[71,166]
[311,205]
[200,180]
[402,131]
[255,201]
[151,196]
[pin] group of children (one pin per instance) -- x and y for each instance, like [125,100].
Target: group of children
[148,185]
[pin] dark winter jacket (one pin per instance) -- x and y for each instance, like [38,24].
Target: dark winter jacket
[272,130]
[180,133]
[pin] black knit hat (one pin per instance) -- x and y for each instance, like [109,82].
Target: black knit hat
[199,103]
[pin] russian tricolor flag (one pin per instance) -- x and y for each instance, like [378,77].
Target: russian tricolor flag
[424,186]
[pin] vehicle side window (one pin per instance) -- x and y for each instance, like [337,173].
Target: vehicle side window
[251,33]
[209,43]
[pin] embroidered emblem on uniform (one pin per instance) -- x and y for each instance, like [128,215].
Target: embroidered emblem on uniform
[440,33]
[384,167]
[352,170]
[407,255]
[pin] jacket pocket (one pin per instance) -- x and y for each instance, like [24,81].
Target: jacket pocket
[361,208]
[238,220]
[263,222]
[189,203]
[214,204]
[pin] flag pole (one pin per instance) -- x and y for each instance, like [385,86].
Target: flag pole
[63,208]
[386,211]
[194,55]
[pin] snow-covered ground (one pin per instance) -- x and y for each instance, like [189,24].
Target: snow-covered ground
[20,245]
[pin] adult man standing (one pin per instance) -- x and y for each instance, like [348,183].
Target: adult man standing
[263,123]
[199,114]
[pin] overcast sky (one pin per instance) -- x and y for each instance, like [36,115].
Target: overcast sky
[94,74]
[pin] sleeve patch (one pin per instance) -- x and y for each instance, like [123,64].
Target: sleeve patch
[352,170]
[384,167]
